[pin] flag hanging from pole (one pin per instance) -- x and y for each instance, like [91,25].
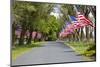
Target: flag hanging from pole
[73,19]
[75,23]
[82,19]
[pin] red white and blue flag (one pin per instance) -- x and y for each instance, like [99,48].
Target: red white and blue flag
[85,21]
[76,23]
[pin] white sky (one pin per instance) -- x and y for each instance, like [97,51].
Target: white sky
[56,11]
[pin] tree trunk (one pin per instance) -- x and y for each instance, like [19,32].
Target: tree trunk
[87,33]
[13,35]
[30,37]
[21,40]
[82,36]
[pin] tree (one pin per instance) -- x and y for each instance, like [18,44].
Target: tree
[30,16]
[23,14]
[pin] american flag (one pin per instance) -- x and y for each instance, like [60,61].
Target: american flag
[73,19]
[83,20]
[39,35]
[17,33]
[34,34]
[75,23]
[63,32]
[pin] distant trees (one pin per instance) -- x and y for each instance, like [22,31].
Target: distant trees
[29,17]
[86,10]
[85,33]
[23,14]
[34,17]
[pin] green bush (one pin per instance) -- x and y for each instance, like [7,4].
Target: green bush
[34,44]
[84,48]
[91,51]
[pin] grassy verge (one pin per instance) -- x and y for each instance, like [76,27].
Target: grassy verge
[19,50]
[87,49]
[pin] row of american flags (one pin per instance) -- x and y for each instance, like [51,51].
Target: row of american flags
[27,34]
[77,22]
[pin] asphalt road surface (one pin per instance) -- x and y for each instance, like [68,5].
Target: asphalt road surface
[51,52]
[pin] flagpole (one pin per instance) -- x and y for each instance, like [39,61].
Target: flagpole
[75,8]
[69,18]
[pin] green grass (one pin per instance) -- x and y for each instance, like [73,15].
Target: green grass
[35,44]
[19,50]
[84,48]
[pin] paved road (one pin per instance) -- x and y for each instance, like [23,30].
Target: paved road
[51,52]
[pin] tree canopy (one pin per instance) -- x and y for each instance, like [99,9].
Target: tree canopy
[33,16]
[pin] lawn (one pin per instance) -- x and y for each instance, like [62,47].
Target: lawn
[87,49]
[19,50]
